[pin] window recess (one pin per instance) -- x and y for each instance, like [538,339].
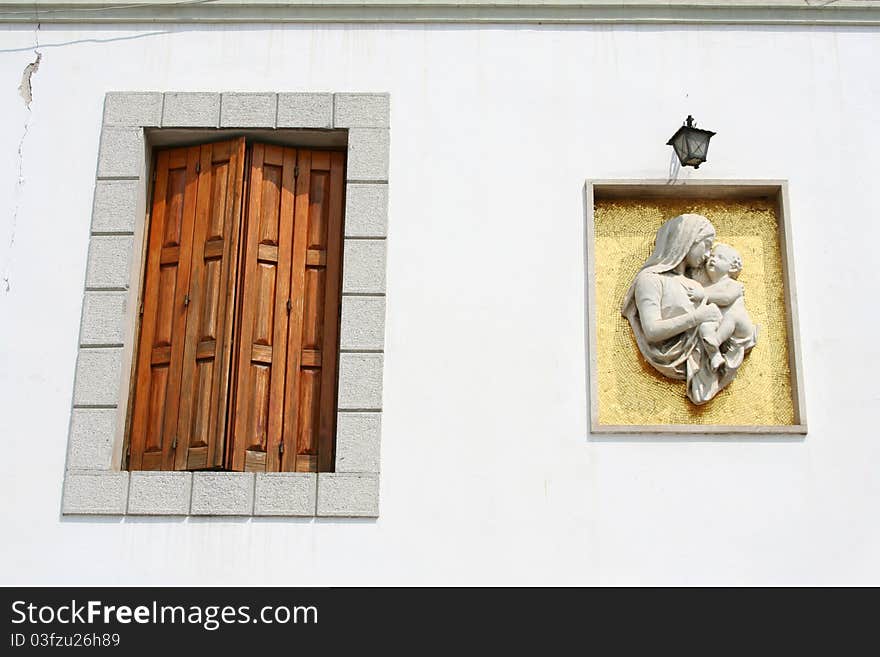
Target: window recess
[239,333]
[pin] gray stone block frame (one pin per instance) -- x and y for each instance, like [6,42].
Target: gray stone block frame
[94,482]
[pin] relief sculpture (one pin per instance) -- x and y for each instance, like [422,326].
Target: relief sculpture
[687,309]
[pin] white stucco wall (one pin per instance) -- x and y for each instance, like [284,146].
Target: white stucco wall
[488,472]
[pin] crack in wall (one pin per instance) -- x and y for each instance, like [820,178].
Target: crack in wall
[26,91]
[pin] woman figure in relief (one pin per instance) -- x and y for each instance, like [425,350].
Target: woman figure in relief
[664,318]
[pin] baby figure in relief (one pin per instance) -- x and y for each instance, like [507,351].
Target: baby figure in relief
[722,269]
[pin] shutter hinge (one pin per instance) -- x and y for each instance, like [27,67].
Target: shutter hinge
[198,167]
[280,449]
[185,300]
[154,176]
[295,171]
[289,306]
[174,443]
[141,309]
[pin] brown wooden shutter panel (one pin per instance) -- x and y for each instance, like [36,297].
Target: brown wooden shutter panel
[179,413]
[286,374]
[206,359]
[321,316]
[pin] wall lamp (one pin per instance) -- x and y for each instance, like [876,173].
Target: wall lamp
[691,144]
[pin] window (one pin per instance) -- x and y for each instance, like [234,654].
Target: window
[97,477]
[236,361]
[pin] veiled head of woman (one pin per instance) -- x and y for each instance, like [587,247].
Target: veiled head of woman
[687,237]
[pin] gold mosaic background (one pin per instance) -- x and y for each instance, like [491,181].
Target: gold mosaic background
[631,392]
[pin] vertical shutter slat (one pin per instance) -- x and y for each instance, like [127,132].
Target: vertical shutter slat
[308,393]
[187,224]
[295,330]
[262,347]
[201,425]
[282,318]
[231,255]
[329,349]
[150,300]
[246,328]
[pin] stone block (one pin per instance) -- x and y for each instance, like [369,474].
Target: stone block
[363,270]
[160,493]
[94,493]
[133,109]
[121,154]
[357,442]
[368,150]
[363,323]
[348,495]
[366,210]
[305,110]
[222,494]
[361,111]
[191,110]
[360,381]
[115,207]
[103,318]
[109,264]
[248,110]
[90,446]
[285,494]
[97,377]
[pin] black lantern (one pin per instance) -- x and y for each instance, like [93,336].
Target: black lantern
[691,144]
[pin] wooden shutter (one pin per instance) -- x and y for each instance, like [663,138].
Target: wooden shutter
[310,420]
[183,355]
[284,412]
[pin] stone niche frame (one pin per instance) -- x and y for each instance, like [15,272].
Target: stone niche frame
[134,122]
[702,189]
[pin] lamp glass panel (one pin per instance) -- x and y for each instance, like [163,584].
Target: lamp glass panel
[680,146]
[693,142]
